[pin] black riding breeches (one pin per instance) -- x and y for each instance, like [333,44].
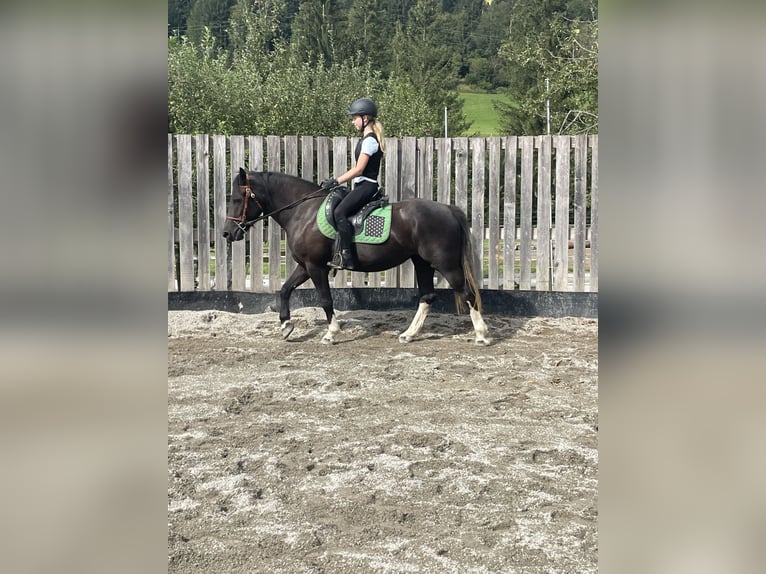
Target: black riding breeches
[353,202]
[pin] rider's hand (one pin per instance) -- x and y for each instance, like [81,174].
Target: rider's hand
[330,182]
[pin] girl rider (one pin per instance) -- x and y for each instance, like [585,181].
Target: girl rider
[367,156]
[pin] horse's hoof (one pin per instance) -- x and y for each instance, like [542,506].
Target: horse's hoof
[287,328]
[404,338]
[327,341]
[483,341]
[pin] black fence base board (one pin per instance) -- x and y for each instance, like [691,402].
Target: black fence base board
[495,302]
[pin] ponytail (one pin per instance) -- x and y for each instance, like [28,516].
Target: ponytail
[377,127]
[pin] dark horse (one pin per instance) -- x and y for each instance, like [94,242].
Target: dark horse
[433,235]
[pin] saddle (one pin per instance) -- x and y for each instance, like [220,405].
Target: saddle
[379,199]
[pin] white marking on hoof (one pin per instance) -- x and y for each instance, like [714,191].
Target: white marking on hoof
[333,330]
[479,326]
[417,323]
[287,328]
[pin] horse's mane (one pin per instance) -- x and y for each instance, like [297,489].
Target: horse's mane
[270,178]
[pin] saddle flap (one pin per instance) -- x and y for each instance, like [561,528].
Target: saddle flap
[333,199]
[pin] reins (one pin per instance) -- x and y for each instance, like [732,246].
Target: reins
[244,224]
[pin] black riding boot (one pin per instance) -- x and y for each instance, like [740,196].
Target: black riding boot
[344,258]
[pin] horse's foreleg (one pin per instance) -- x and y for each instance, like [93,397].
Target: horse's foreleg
[321,281]
[298,276]
[424,274]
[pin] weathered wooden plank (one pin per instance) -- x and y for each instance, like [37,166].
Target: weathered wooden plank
[509,213]
[408,165]
[238,260]
[171,220]
[444,170]
[561,238]
[580,167]
[391,182]
[543,271]
[478,148]
[221,246]
[594,213]
[255,239]
[527,173]
[323,158]
[425,168]
[291,155]
[274,161]
[185,212]
[202,155]
[307,158]
[461,173]
[494,213]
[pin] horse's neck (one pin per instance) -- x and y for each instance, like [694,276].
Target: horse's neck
[279,191]
[284,191]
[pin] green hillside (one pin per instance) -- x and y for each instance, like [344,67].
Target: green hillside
[479,110]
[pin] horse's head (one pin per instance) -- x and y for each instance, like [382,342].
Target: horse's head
[242,207]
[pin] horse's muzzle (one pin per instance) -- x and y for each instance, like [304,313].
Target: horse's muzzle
[233,233]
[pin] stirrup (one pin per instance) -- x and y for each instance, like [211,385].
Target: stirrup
[336,262]
[339,261]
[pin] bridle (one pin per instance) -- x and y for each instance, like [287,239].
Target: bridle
[244,224]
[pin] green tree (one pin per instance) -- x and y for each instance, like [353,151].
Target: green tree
[557,40]
[178,12]
[424,57]
[371,28]
[319,32]
[212,14]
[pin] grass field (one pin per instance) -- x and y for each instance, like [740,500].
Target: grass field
[478,108]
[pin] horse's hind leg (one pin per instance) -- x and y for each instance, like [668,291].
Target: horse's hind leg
[463,293]
[425,276]
[479,326]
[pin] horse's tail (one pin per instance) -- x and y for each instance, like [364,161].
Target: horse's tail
[467,260]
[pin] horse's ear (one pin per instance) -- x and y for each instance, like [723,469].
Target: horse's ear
[242,176]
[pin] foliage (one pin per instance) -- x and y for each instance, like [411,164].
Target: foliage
[213,14]
[292,66]
[564,49]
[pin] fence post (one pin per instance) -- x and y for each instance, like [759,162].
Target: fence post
[255,145]
[527,173]
[594,213]
[203,212]
[543,274]
[509,214]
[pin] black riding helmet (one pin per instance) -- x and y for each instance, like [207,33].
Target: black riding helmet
[363,107]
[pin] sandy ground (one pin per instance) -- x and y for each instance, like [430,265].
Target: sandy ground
[369,455]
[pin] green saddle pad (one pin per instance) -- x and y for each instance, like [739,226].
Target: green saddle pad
[375,228]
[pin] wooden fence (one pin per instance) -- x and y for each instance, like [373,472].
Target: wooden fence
[532,202]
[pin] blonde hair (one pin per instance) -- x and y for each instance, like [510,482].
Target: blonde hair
[377,127]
